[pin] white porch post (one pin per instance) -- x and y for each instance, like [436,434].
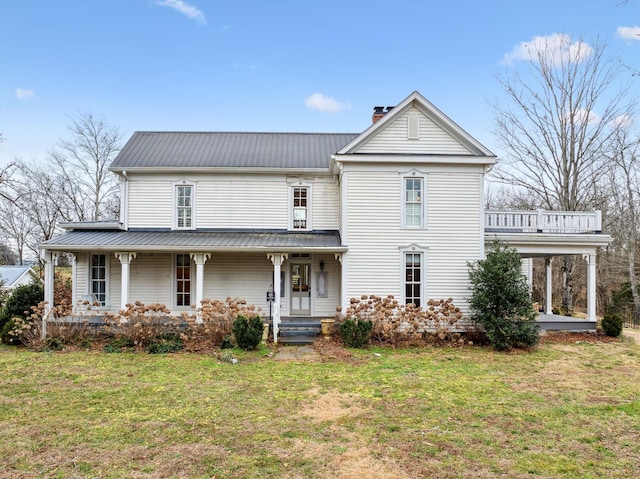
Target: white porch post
[48,258]
[277,259]
[548,309]
[591,286]
[125,258]
[200,259]
[74,271]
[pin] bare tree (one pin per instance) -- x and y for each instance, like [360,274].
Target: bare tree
[16,223]
[82,162]
[624,207]
[558,123]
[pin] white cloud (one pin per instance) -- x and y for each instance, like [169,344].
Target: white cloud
[24,94]
[556,48]
[629,33]
[186,9]
[622,121]
[323,103]
[244,66]
[586,116]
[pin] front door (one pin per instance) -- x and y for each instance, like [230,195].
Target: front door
[300,289]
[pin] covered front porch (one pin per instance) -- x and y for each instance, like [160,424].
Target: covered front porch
[283,274]
[550,234]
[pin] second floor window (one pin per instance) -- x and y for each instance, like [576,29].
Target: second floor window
[300,207]
[413,202]
[184,206]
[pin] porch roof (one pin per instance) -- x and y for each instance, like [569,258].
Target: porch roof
[206,241]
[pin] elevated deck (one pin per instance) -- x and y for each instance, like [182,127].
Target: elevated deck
[541,221]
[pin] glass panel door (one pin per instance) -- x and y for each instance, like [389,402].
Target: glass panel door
[300,288]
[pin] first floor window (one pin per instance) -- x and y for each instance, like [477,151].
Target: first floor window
[183,280]
[413,278]
[98,280]
[184,206]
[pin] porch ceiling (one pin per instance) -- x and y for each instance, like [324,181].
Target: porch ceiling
[531,245]
[206,241]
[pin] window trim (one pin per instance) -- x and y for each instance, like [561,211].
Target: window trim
[174,282]
[422,251]
[174,205]
[292,186]
[413,175]
[107,273]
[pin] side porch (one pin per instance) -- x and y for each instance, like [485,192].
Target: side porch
[550,234]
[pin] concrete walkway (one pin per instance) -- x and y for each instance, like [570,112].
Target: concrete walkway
[297,353]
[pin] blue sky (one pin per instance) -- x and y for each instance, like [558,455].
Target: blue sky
[248,65]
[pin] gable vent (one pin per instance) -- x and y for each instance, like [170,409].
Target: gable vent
[413,126]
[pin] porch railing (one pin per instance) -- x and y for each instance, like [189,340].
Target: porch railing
[542,221]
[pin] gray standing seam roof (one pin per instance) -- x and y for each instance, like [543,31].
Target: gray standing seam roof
[198,240]
[148,149]
[11,273]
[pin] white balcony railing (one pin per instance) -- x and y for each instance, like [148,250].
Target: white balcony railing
[540,221]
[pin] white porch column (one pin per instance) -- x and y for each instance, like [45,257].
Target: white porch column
[49,263]
[200,259]
[548,309]
[277,259]
[591,286]
[74,291]
[125,258]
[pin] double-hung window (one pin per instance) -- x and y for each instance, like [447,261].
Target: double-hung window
[98,279]
[184,206]
[183,280]
[300,208]
[413,202]
[413,278]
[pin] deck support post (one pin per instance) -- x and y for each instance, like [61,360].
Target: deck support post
[548,309]
[591,286]
[125,258]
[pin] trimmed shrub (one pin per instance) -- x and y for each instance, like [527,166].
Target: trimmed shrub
[356,333]
[19,304]
[500,301]
[612,325]
[248,331]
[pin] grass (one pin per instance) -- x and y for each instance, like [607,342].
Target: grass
[565,410]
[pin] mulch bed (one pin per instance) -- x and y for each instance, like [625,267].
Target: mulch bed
[566,337]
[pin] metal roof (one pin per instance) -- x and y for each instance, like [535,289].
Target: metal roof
[11,274]
[195,241]
[146,149]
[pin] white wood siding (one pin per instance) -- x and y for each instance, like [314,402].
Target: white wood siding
[432,138]
[150,279]
[150,202]
[452,236]
[230,201]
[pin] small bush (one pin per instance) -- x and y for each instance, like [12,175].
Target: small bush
[248,331]
[167,343]
[227,342]
[612,325]
[356,333]
[119,345]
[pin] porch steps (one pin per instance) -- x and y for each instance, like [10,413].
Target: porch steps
[296,331]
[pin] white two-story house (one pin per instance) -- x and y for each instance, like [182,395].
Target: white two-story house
[308,220]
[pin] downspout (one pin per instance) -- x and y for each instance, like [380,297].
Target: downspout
[124,201]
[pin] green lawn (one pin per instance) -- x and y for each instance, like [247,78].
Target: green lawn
[565,410]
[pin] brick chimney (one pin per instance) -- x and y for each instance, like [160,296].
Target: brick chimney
[379,112]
